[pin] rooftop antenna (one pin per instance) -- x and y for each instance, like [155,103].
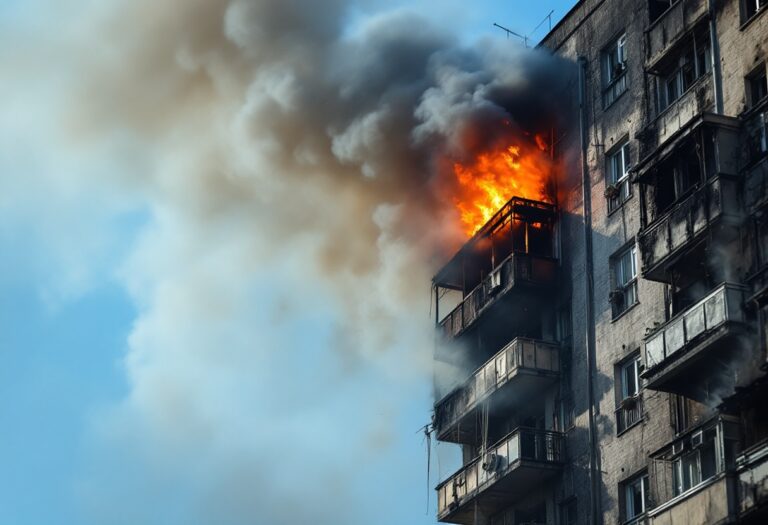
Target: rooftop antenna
[510,32]
[526,38]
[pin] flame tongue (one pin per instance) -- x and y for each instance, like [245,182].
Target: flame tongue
[515,169]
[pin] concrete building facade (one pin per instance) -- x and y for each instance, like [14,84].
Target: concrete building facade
[613,345]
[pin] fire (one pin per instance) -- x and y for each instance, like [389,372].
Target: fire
[514,169]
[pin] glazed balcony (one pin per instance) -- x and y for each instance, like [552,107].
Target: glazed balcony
[685,355]
[670,28]
[520,462]
[694,480]
[752,468]
[521,369]
[687,223]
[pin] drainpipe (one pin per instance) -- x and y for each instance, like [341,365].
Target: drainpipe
[717,76]
[586,188]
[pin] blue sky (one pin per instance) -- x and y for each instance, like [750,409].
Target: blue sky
[105,417]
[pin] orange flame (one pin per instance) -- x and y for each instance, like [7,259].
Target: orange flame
[516,169]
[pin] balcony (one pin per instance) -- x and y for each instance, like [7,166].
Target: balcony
[707,504]
[694,475]
[752,468]
[677,117]
[686,354]
[517,464]
[667,30]
[518,273]
[689,221]
[521,369]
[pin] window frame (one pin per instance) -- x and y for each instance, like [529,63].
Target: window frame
[747,15]
[623,286]
[749,79]
[626,497]
[621,184]
[614,72]
[695,58]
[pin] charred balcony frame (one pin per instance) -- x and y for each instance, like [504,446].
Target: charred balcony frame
[521,369]
[505,473]
[513,252]
[690,193]
[685,355]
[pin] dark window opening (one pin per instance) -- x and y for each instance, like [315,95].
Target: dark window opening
[680,75]
[752,7]
[656,8]
[757,87]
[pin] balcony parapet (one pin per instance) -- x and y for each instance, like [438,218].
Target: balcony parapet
[667,30]
[683,341]
[518,271]
[512,467]
[521,368]
[752,469]
[688,221]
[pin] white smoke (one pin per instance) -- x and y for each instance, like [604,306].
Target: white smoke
[290,173]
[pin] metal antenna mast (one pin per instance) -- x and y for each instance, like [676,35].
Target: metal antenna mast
[525,38]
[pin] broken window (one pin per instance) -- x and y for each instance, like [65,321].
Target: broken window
[618,190]
[614,66]
[656,8]
[633,495]
[679,76]
[624,266]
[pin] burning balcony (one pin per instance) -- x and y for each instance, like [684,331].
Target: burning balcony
[521,369]
[690,195]
[692,477]
[524,459]
[509,258]
[687,355]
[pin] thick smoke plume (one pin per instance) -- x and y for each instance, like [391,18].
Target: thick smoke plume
[294,165]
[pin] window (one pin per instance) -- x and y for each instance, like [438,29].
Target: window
[630,409]
[624,268]
[752,7]
[633,495]
[693,64]
[679,413]
[568,514]
[697,465]
[757,87]
[564,413]
[618,190]
[614,65]
[656,8]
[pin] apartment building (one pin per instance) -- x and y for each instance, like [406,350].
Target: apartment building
[612,345]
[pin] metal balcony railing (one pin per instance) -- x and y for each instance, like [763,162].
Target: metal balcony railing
[724,305]
[541,447]
[519,355]
[517,269]
[687,220]
[667,30]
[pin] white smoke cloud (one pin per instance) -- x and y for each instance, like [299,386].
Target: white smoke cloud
[288,169]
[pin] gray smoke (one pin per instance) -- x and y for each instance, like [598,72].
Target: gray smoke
[295,171]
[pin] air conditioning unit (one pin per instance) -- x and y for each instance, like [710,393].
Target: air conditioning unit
[697,439]
[494,281]
[491,462]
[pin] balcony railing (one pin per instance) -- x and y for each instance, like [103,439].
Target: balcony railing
[685,222]
[667,30]
[503,473]
[517,270]
[525,362]
[629,413]
[723,306]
